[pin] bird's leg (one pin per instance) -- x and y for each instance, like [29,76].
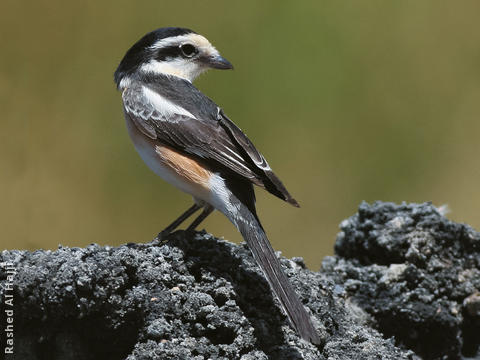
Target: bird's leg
[190,211]
[207,210]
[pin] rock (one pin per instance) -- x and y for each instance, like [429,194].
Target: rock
[404,284]
[194,298]
[415,273]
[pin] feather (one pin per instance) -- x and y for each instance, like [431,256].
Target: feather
[175,113]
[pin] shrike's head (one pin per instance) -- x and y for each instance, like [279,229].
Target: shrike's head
[169,51]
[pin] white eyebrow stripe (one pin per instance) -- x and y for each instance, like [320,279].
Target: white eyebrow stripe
[163,106]
[198,40]
[170,41]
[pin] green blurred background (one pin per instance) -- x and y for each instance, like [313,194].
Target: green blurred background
[348,101]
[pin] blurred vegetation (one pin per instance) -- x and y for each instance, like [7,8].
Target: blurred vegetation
[348,100]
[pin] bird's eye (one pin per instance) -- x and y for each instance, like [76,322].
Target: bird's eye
[188,50]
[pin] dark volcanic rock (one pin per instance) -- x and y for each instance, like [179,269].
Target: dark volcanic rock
[416,273]
[404,270]
[199,298]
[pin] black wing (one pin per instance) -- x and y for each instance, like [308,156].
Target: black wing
[213,138]
[270,181]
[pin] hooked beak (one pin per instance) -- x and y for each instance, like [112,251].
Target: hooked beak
[219,62]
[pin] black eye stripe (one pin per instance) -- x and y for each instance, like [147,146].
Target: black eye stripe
[175,51]
[168,52]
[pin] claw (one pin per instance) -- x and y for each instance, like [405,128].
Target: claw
[161,239]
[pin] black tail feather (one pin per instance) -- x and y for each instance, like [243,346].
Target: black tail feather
[253,233]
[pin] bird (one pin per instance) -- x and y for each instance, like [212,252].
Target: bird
[188,140]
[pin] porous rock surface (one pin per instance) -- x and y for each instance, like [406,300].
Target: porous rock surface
[401,270]
[415,273]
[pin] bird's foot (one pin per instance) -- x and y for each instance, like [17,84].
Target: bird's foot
[162,238]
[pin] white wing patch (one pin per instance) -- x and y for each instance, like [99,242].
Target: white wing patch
[163,107]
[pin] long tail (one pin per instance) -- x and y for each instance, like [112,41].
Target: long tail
[253,233]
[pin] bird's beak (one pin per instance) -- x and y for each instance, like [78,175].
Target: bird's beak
[219,62]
